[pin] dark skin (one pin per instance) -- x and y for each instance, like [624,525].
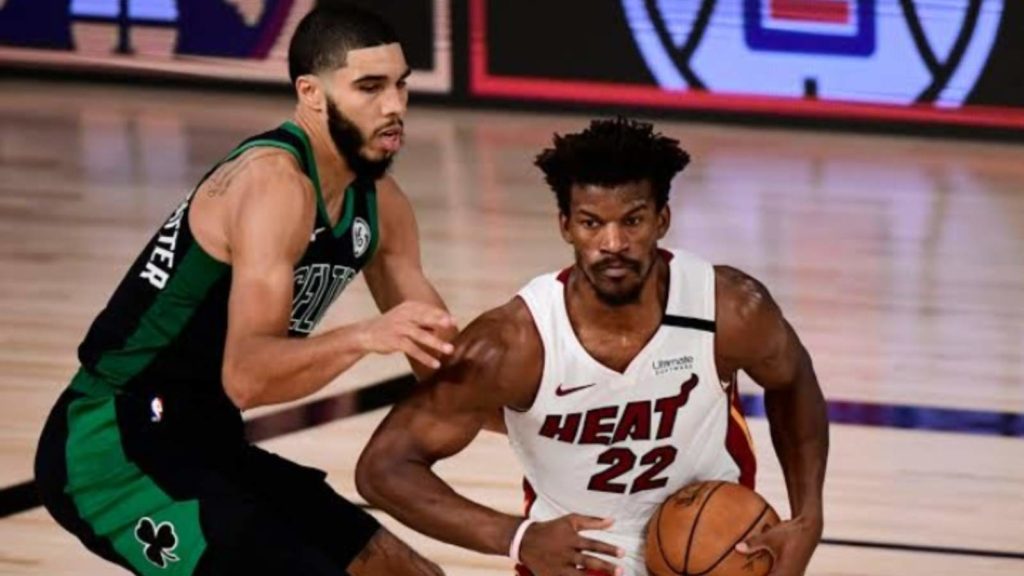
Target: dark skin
[616,298]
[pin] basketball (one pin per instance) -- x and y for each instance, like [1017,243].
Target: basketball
[696,529]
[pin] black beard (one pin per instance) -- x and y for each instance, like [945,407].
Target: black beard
[616,299]
[349,142]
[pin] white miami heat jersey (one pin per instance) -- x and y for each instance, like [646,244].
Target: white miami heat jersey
[616,444]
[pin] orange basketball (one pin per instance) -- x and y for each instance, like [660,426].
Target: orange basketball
[696,529]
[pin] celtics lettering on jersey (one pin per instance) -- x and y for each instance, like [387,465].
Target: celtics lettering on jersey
[318,283]
[316,287]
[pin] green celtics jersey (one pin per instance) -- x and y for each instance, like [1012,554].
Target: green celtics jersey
[164,329]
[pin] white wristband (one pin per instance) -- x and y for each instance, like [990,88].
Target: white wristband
[517,540]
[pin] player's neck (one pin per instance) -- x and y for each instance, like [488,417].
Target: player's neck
[586,308]
[335,174]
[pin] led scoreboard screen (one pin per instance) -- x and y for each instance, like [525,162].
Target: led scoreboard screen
[939,62]
[951,61]
[226,39]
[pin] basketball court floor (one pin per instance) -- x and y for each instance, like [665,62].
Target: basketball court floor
[899,260]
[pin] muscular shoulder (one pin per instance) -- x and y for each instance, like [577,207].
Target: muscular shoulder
[273,173]
[263,176]
[258,164]
[746,316]
[388,190]
[508,327]
[501,350]
[739,296]
[394,204]
[263,189]
[270,202]
[398,227]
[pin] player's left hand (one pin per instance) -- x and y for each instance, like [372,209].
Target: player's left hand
[790,543]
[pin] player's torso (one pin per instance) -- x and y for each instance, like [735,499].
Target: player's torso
[165,325]
[616,444]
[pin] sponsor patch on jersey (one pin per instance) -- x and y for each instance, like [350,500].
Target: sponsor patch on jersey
[664,366]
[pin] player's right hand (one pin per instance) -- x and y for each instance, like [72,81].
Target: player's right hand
[409,328]
[555,548]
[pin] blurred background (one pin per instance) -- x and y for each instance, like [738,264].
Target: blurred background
[862,158]
[905,62]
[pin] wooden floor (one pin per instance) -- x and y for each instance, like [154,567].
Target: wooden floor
[899,260]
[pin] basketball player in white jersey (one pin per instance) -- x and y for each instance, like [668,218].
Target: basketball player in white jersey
[616,379]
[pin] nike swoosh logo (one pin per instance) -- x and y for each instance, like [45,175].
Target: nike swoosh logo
[566,391]
[312,237]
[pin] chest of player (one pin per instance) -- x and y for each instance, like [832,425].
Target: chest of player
[663,395]
[596,431]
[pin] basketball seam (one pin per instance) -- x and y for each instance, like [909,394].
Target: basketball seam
[693,529]
[661,549]
[733,545]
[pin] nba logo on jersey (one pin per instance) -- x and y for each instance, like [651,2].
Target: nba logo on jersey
[811,26]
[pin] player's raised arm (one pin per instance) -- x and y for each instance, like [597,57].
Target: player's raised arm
[497,362]
[753,336]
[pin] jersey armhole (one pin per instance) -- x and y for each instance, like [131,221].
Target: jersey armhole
[711,311]
[371,213]
[531,305]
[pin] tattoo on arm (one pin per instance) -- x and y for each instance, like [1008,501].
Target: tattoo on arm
[221,179]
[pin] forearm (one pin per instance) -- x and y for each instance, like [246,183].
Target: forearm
[403,284]
[264,370]
[415,496]
[799,427]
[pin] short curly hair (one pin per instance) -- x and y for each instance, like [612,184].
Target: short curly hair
[612,152]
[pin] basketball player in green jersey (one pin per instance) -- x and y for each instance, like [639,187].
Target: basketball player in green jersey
[143,458]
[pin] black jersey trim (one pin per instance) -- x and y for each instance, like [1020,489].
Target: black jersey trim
[348,212]
[371,211]
[688,322]
[281,135]
[297,136]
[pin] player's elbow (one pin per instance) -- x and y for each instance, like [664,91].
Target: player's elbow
[369,475]
[375,475]
[242,386]
[241,395]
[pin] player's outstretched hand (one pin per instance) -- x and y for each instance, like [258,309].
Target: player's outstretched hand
[556,548]
[409,328]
